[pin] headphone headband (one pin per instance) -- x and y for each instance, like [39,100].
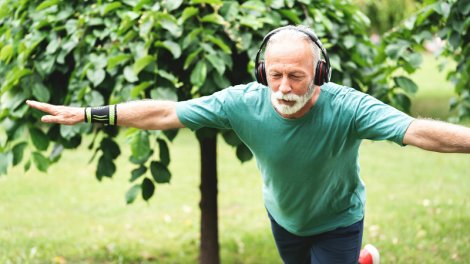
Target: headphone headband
[322,73]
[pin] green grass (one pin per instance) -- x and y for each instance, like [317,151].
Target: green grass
[417,211]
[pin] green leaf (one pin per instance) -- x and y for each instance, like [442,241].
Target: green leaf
[349,41]
[129,74]
[117,60]
[254,5]
[170,134]
[56,152]
[106,167]
[230,10]
[464,7]
[164,152]
[171,5]
[243,153]
[163,93]
[169,23]
[406,84]
[41,162]
[6,53]
[277,4]
[395,50]
[46,66]
[220,44]
[160,173]
[69,132]
[218,63]
[39,139]
[27,166]
[105,9]
[18,151]
[252,22]
[110,148]
[132,193]
[53,46]
[210,2]
[148,189]
[192,38]
[220,80]
[189,60]
[173,47]
[291,16]
[146,25]
[213,18]
[41,92]
[140,146]
[137,173]
[96,76]
[138,89]
[402,102]
[13,77]
[414,60]
[94,98]
[169,76]
[46,4]
[187,13]
[141,63]
[454,39]
[442,8]
[198,75]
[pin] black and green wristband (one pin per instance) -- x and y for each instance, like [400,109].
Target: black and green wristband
[102,114]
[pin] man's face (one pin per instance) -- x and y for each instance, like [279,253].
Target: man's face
[289,70]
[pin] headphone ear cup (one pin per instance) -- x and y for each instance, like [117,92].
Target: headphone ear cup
[260,73]
[321,73]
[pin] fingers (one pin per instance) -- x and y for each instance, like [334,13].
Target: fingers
[48,108]
[57,120]
[65,115]
[49,119]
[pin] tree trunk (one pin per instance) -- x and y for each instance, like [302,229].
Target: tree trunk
[209,250]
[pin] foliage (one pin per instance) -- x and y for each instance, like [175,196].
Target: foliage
[448,20]
[386,14]
[93,53]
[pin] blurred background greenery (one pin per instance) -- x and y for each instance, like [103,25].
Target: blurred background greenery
[386,14]
[418,206]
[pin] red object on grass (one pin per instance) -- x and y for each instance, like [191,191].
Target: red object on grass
[369,255]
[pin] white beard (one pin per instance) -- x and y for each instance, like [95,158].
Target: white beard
[300,100]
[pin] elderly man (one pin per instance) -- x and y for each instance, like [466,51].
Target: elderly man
[305,133]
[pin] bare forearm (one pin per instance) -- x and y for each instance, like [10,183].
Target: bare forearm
[438,136]
[148,114]
[145,114]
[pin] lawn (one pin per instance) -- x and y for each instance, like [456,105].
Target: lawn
[418,207]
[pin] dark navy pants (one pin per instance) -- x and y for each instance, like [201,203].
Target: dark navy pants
[341,245]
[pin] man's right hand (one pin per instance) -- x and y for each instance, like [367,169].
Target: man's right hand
[65,115]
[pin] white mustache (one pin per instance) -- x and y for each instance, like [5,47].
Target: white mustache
[287,97]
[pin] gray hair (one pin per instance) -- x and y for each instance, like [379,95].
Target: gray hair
[295,33]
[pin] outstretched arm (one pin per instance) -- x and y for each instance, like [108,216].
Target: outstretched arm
[145,114]
[438,136]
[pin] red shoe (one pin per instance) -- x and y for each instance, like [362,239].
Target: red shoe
[369,255]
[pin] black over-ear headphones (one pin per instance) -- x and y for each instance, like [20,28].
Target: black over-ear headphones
[322,69]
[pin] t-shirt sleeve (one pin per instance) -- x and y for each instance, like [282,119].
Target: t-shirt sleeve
[207,111]
[376,120]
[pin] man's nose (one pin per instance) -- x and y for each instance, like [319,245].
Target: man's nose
[285,86]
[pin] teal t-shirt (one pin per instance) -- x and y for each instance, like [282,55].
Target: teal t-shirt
[309,165]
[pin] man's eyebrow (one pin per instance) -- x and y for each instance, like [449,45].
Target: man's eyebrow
[297,73]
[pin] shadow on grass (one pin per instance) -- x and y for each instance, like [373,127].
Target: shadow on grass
[256,247]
